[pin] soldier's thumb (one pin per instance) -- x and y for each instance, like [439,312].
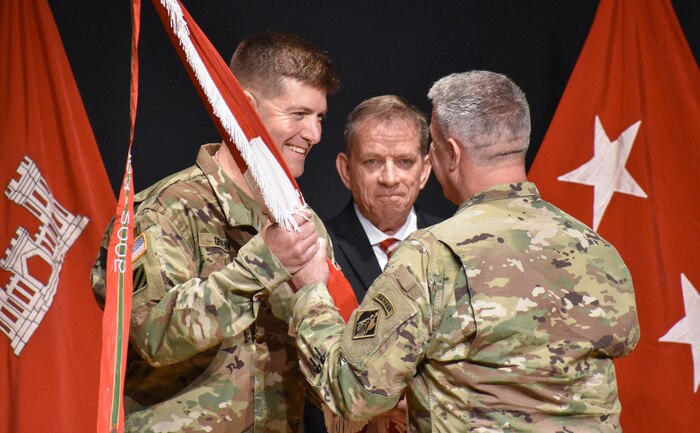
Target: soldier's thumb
[322,245]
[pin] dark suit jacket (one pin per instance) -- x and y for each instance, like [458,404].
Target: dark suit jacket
[353,252]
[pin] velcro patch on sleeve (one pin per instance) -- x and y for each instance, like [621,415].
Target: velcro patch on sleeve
[407,282]
[148,283]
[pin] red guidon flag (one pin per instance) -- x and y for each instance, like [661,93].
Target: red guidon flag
[55,201]
[623,154]
[119,279]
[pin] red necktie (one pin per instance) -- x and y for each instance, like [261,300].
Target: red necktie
[388,245]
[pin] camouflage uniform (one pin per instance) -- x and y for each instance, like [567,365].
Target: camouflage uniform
[210,347]
[503,318]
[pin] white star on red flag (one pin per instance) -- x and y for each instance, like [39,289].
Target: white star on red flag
[606,171]
[687,330]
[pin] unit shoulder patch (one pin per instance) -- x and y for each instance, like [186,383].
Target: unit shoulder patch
[365,324]
[139,278]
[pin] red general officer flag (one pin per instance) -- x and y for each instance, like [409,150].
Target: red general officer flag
[623,155]
[55,202]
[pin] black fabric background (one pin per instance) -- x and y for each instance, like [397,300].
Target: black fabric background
[377,47]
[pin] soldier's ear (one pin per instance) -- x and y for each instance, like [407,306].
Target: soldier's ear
[455,153]
[252,99]
[425,171]
[342,164]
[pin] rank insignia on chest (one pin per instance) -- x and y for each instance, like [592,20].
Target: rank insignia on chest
[365,324]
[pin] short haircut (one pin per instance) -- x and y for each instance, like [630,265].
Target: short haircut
[486,112]
[262,60]
[386,109]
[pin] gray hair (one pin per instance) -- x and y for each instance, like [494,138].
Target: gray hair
[486,112]
[386,108]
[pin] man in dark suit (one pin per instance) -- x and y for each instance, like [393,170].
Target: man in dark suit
[385,165]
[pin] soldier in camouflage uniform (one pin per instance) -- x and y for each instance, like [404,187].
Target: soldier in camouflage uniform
[210,347]
[504,318]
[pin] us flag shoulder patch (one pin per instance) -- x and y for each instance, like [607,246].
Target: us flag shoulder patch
[139,248]
[365,324]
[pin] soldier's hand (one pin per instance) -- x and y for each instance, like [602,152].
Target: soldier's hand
[292,248]
[314,271]
[398,415]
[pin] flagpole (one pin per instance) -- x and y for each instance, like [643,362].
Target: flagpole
[117,311]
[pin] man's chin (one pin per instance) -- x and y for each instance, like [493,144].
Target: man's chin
[390,222]
[296,169]
[396,202]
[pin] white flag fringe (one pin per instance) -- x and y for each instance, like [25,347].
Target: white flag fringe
[278,194]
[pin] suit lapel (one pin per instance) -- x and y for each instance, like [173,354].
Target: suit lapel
[424,220]
[356,247]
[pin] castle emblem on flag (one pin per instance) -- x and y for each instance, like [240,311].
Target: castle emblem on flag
[27,297]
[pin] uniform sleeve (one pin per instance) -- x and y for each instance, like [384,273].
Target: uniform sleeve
[361,370]
[175,314]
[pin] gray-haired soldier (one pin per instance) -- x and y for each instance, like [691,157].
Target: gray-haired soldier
[505,317]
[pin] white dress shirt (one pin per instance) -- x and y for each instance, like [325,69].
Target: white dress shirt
[375,235]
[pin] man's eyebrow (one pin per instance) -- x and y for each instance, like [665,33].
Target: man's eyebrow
[305,109]
[370,154]
[406,155]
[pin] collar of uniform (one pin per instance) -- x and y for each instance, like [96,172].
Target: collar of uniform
[239,207]
[500,192]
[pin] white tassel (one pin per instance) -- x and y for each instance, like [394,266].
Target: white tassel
[285,194]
